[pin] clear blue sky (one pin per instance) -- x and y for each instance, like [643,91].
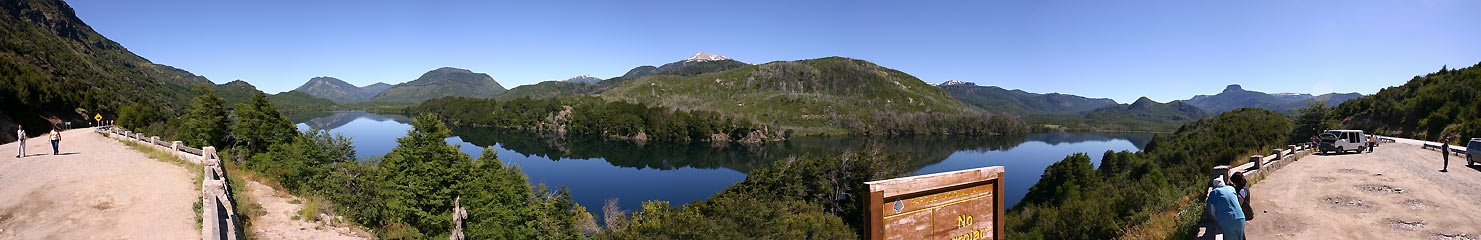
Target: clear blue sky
[1166,50]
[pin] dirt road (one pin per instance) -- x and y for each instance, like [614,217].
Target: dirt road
[96,189]
[1397,192]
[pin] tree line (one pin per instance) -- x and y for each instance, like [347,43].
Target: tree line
[595,116]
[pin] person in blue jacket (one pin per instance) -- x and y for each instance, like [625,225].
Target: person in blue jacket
[1223,204]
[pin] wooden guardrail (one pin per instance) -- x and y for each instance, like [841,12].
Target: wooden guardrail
[218,212]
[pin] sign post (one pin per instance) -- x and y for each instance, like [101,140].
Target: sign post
[99,118]
[960,205]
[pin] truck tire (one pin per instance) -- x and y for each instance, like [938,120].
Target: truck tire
[1340,151]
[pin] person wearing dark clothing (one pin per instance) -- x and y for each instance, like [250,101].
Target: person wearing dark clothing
[1445,153]
[1242,189]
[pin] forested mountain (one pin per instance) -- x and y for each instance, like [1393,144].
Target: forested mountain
[1443,103]
[442,82]
[1234,97]
[340,91]
[699,64]
[550,89]
[825,95]
[999,100]
[1146,115]
[238,91]
[56,68]
[376,88]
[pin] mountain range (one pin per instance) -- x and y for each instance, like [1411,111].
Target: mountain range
[442,82]
[340,91]
[814,95]
[1235,97]
[997,99]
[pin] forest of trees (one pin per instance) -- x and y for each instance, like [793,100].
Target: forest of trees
[1427,107]
[407,194]
[595,116]
[1074,200]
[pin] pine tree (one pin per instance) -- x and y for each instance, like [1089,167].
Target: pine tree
[204,123]
[419,177]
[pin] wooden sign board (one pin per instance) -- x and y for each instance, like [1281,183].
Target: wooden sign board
[966,204]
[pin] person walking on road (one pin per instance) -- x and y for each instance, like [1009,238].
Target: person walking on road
[20,137]
[56,138]
[1223,204]
[1445,153]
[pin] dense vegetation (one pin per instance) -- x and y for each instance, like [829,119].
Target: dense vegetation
[1074,200]
[54,64]
[819,96]
[408,194]
[1438,104]
[808,197]
[594,116]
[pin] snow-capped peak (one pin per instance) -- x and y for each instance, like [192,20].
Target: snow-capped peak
[954,82]
[703,56]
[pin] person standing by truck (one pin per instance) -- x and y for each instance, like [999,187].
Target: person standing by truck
[1371,143]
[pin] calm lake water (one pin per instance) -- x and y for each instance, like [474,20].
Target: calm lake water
[596,170]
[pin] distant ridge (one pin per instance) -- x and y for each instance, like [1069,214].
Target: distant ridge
[442,82]
[1235,96]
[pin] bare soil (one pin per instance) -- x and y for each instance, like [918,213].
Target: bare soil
[1396,192]
[278,223]
[97,188]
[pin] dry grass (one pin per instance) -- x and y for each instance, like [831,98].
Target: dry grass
[1170,223]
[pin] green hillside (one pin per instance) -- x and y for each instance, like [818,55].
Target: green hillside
[442,82]
[53,63]
[1145,115]
[293,101]
[1426,107]
[550,89]
[831,95]
[997,99]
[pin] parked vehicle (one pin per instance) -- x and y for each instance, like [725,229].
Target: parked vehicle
[1473,151]
[1341,141]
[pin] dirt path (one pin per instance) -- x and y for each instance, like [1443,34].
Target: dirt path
[278,223]
[98,188]
[1397,192]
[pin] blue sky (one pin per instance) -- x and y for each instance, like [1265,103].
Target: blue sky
[1165,50]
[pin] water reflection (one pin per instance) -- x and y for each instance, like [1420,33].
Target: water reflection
[596,169]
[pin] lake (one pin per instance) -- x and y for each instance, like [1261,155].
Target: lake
[596,170]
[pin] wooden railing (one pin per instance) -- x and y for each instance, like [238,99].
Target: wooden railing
[218,212]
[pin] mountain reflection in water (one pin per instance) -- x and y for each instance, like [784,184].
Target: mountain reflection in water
[596,169]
